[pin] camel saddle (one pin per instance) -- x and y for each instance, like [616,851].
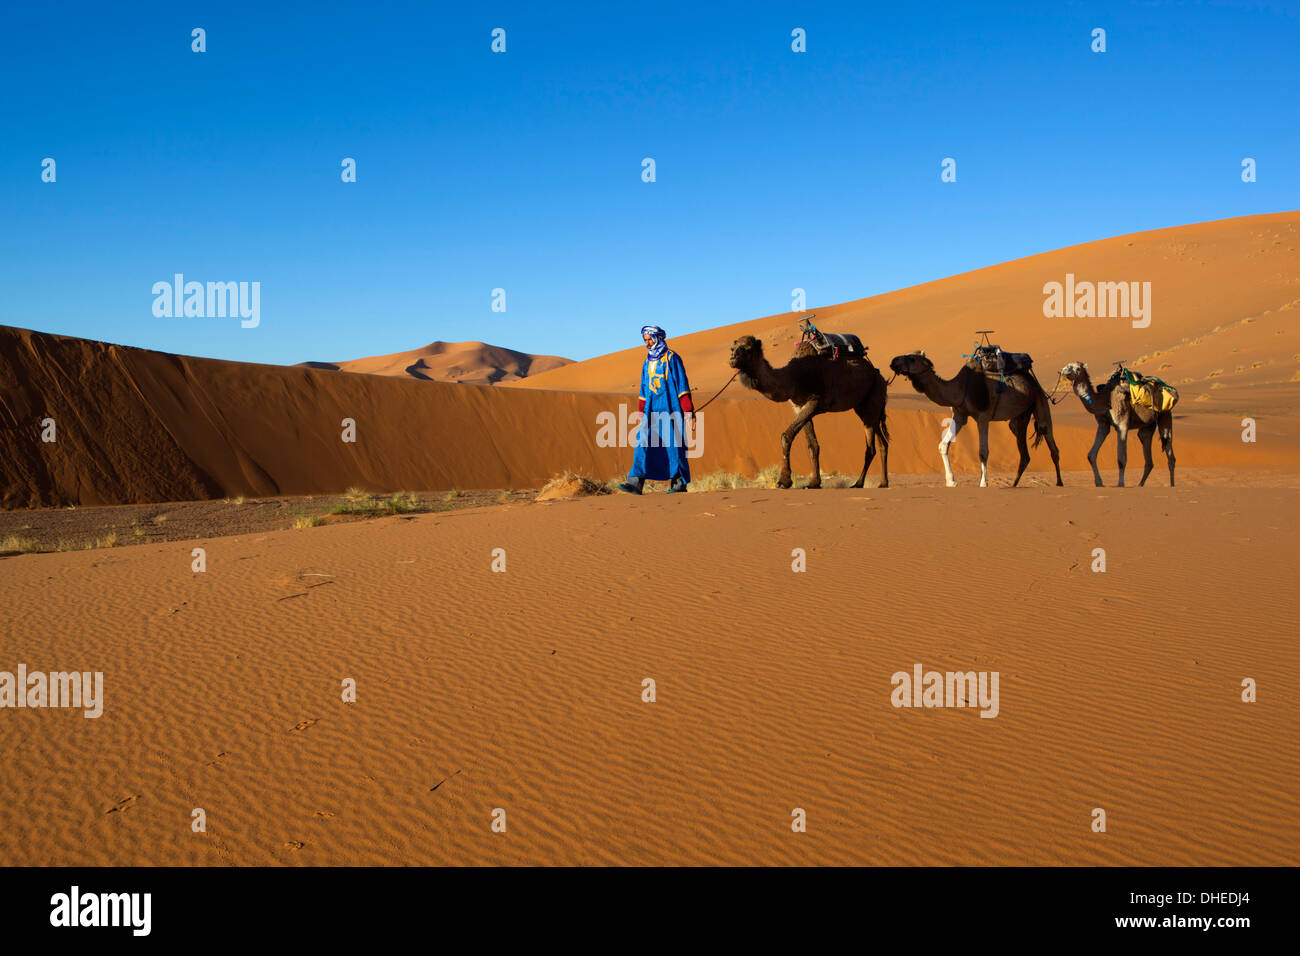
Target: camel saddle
[993,359]
[1147,391]
[832,344]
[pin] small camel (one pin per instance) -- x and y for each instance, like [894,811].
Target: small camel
[813,384]
[1111,404]
[972,393]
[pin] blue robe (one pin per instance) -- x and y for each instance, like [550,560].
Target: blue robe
[661,440]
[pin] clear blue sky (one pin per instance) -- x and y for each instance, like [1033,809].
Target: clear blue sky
[523,170]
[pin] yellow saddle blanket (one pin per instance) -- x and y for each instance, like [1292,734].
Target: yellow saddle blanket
[1152,393]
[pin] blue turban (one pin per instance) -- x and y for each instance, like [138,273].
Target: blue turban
[660,340]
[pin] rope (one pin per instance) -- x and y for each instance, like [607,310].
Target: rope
[719,392]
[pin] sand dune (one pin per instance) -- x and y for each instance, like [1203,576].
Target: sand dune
[144,426]
[137,426]
[1118,690]
[468,363]
[1223,325]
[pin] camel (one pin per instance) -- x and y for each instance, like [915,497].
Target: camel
[972,393]
[812,385]
[1111,404]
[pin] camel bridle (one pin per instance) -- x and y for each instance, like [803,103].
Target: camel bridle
[1051,398]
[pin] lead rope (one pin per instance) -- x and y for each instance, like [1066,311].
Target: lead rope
[720,391]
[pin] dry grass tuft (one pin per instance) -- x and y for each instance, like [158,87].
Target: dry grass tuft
[571,485]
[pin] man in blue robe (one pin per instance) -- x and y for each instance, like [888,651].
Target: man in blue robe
[665,404]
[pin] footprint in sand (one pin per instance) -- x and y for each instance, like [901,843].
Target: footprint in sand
[304,724]
[294,844]
[324,813]
[123,804]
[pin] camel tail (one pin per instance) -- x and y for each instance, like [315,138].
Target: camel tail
[884,429]
[1042,410]
[1042,416]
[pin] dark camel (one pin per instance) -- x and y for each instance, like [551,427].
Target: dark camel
[813,384]
[973,394]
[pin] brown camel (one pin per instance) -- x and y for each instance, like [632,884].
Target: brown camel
[813,384]
[1110,403]
[972,393]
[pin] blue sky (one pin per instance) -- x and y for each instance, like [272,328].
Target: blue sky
[522,170]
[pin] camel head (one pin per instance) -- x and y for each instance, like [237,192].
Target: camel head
[1075,372]
[746,353]
[911,364]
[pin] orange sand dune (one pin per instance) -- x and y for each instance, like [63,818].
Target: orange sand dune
[1223,325]
[469,363]
[143,426]
[522,691]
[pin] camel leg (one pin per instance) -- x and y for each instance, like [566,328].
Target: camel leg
[1103,429]
[884,453]
[1043,422]
[1121,450]
[815,453]
[1167,442]
[801,417]
[1020,428]
[946,439]
[983,425]
[871,446]
[1146,434]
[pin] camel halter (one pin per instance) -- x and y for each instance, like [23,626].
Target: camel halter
[1050,398]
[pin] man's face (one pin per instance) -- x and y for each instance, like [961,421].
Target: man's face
[649,339]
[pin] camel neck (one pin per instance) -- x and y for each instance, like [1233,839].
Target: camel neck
[1083,388]
[765,379]
[942,391]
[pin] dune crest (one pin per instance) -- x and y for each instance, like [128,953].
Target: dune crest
[466,363]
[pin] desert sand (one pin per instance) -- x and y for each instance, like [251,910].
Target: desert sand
[521,689]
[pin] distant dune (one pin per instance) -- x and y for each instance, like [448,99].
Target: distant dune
[467,363]
[138,426]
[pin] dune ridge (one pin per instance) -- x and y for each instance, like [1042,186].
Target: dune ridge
[1224,323]
[467,363]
